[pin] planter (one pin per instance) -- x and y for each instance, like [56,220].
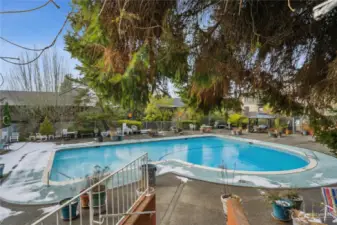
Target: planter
[224,199]
[281,209]
[297,202]
[140,191]
[69,212]
[98,196]
[84,200]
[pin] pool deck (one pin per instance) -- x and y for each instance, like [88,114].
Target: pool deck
[191,203]
[197,202]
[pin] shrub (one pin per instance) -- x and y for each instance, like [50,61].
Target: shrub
[46,127]
[329,138]
[237,119]
[130,123]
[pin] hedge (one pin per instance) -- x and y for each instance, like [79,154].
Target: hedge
[129,123]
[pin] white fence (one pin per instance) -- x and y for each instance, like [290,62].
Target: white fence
[109,200]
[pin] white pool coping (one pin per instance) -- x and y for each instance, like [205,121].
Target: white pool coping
[312,163]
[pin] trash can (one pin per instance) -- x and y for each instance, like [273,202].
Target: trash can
[2,166]
[152,173]
[120,138]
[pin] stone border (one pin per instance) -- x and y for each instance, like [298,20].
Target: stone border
[312,163]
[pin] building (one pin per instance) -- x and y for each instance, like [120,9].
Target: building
[32,107]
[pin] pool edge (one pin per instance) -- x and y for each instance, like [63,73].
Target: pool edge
[312,163]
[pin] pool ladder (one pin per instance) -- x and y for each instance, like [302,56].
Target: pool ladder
[311,155]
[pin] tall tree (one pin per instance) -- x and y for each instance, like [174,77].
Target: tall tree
[44,78]
[214,51]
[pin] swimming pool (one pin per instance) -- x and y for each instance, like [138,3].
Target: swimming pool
[207,151]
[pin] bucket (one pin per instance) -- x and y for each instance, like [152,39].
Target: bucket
[98,198]
[69,213]
[281,209]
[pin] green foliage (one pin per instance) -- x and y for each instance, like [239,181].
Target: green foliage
[237,119]
[130,123]
[329,138]
[46,127]
[6,119]
[66,85]
[156,110]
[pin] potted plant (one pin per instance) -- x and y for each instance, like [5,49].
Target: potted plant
[69,211]
[98,192]
[281,207]
[295,198]
[226,194]
[84,198]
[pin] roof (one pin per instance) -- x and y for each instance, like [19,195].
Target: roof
[36,98]
[176,103]
[260,115]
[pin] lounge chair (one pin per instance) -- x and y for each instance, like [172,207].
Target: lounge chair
[41,137]
[330,202]
[145,131]
[14,137]
[126,129]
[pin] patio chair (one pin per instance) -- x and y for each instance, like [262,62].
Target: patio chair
[192,126]
[105,133]
[41,137]
[134,129]
[14,137]
[4,136]
[330,202]
[58,134]
[119,131]
[65,133]
[126,129]
[31,137]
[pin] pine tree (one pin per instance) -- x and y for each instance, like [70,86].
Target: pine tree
[6,119]
[46,127]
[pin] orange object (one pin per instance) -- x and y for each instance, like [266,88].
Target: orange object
[235,213]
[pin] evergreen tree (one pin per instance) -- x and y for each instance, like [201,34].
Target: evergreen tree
[46,127]
[6,116]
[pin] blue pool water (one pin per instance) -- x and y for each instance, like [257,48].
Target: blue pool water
[207,151]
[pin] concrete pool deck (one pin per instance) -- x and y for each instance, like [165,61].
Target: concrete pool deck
[197,203]
[25,186]
[186,202]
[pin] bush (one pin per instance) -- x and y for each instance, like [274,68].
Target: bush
[130,123]
[329,138]
[46,127]
[237,119]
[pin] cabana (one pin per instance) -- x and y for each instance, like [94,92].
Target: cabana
[255,116]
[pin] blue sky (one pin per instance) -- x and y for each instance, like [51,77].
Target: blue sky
[32,29]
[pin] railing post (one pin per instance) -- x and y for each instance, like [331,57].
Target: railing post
[91,210]
[147,174]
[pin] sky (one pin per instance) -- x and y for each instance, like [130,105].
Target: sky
[33,29]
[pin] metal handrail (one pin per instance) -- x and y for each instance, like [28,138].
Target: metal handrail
[88,190]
